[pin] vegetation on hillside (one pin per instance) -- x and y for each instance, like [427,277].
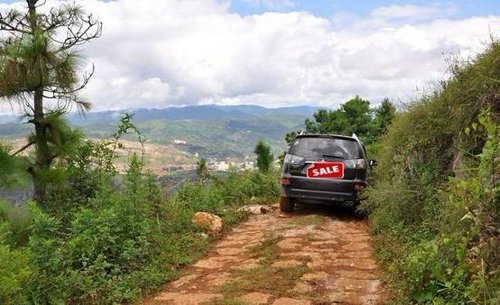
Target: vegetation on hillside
[97,236]
[219,136]
[434,209]
[223,137]
[108,238]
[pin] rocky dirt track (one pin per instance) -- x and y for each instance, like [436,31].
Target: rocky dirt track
[316,255]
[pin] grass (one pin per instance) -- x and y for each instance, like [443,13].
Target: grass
[276,281]
[224,301]
[231,218]
[310,220]
[268,250]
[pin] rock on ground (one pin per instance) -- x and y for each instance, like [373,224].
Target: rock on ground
[212,223]
[256,209]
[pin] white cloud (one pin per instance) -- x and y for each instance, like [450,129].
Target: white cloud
[161,53]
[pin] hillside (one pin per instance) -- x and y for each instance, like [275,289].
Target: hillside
[209,130]
[434,208]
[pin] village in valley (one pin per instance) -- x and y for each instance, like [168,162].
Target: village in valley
[166,159]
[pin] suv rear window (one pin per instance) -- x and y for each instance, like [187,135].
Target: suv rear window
[321,147]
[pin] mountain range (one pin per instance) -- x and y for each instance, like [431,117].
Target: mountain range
[212,131]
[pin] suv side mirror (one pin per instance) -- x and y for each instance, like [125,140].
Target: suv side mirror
[372,162]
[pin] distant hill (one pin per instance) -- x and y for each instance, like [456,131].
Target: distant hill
[193,112]
[209,130]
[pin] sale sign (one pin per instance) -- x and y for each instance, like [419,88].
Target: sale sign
[326,170]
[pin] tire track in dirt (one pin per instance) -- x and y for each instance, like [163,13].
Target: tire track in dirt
[318,255]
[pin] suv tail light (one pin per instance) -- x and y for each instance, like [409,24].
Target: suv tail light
[358,186]
[285,180]
[356,163]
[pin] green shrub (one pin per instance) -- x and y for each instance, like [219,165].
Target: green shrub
[128,239]
[105,238]
[434,206]
[15,270]
[107,252]
[224,196]
[17,221]
[264,156]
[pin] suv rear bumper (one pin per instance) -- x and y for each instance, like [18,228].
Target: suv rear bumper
[324,190]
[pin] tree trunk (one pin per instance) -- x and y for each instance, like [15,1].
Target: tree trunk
[43,158]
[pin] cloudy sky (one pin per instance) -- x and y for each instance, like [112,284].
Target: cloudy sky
[160,53]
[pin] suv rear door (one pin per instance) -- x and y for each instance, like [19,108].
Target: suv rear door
[306,150]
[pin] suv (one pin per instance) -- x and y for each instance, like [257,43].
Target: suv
[324,169]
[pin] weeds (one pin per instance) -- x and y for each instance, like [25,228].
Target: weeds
[224,301]
[276,281]
[267,251]
[309,220]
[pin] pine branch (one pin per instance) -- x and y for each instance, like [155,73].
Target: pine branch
[23,148]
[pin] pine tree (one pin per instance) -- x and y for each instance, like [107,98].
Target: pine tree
[38,71]
[264,156]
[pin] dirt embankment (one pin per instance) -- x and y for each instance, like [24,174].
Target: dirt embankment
[313,256]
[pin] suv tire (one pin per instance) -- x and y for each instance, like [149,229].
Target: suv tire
[286,204]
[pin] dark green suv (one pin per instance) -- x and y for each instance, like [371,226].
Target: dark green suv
[323,168]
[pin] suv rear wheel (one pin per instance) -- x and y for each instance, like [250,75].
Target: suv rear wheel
[286,204]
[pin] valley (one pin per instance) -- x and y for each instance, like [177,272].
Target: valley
[217,133]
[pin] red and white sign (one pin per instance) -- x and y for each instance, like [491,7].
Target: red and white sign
[326,170]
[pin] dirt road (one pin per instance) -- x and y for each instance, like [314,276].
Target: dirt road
[313,256]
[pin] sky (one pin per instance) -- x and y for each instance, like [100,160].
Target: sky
[162,53]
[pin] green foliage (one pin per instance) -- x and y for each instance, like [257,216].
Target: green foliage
[36,59]
[117,247]
[222,197]
[384,115]
[13,169]
[63,140]
[82,174]
[35,66]
[17,222]
[355,116]
[352,117]
[434,207]
[264,156]
[15,271]
[110,238]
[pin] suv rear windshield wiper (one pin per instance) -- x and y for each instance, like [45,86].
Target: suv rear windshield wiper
[333,156]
